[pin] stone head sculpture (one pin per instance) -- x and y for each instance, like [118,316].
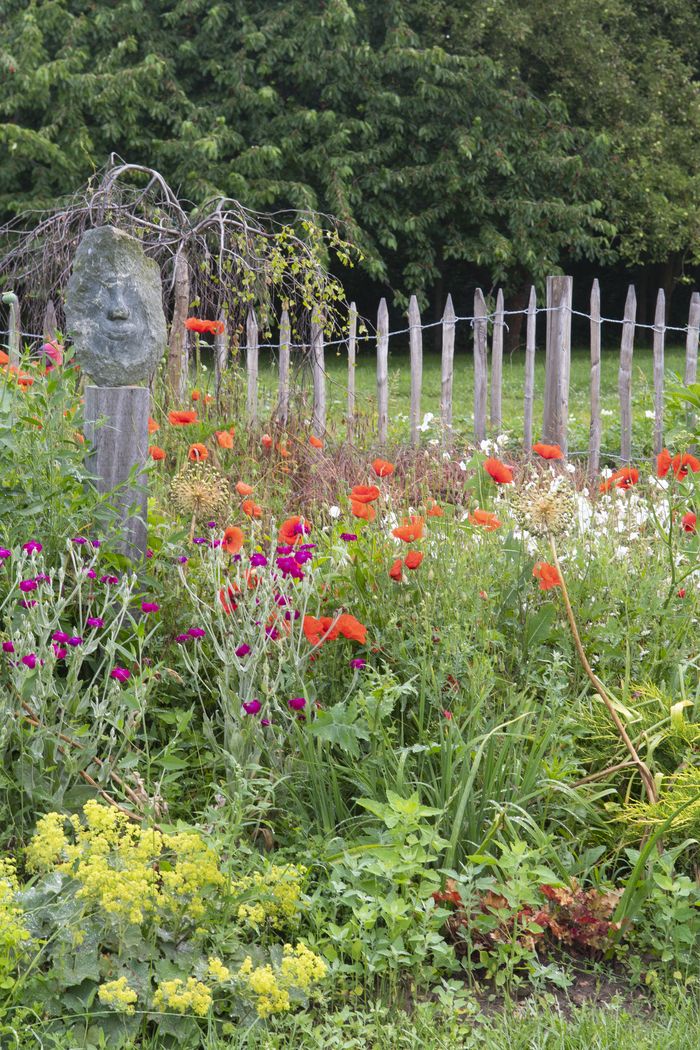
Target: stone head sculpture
[114,309]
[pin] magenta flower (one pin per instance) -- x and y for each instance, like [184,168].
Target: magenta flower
[108,579]
[74,640]
[79,539]
[59,652]
[251,707]
[95,621]
[211,524]
[43,578]
[60,636]
[272,633]
[349,537]
[258,560]
[29,660]
[4,553]
[358,663]
[265,722]
[27,585]
[297,703]
[149,607]
[32,546]
[284,549]
[448,715]
[301,529]
[120,673]
[94,543]
[149,553]
[200,539]
[288,567]
[196,632]
[91,574]
[183,560]
[8,647]
[182,638]
[242,650]
[28,605]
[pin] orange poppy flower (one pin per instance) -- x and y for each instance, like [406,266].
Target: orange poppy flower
[4,359]
[413,559]
[663,463]
[155,452]
[182,419]
[621,479]
[316,627]
[198,452]
[251,509]
[682,464]
[196,324]
[243,489]
[266,441]
[547,574]
[315,442]
[395,570]
[362,510]
[383,468]
[548,451]
[293,530]
[233,539]
[351,628]
[498,471]
[434,510]
[196,395]
[226,597]
[224,439]
[410,531]
[80,438]
[25,380]
[364,493]
[486,519]
[689,522]
[283,450]
[152,425]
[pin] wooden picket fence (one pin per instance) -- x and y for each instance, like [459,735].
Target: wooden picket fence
[557,309]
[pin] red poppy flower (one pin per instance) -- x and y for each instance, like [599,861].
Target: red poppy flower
[362,510]
[383,468]
[224,439]
[547,574]
[196,395]
[283,450]
[155,452]
[315,442]
[182,419]
[152,425]
[413,559]
[315,628]
[410,531]
[364,493]
[198,452]
[498,471]
[395,570]
[293,530]
[486,519]
[244,489]
[548,451]
[4,359]
[233,539]
[683,463]
[251,509]
[351,628]
[226,597]
[196,324]
[689,522]
[663,463]
[434,510]
[266,441]
[621,479]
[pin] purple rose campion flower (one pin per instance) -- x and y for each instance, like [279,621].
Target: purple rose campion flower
[42,578]
[289,567]
[196,632]
[74,640]
[28,605]
[272,633]
[284,549]
[95,621]
[27,585]
[293,614]
[120,673]
[297,703]
[258,560]
[29,660]
[4,553]
[242,650]
[150,607]
[149,553]
[282,599]
[60,636]
[79,539]
[358,663]
[91,574]
[301,557]
[301,529]
[211,524]
[94,543]
[200,539]
[349,537]
[265,722]
[8,647]
[251,707]
[32,546]
[183,560]
[109,579]
[182,638]
[59,652]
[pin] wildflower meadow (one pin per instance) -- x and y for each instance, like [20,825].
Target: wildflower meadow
[388,749]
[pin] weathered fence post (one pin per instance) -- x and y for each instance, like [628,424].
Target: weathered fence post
[383,371]
[415,338]
[448,354]
[659,339]
[13,327]
[480,366]
[352,350]
[530,347]
[50,323]
[594,436]
[251,357]
[497,365]
[318,365]
[557,361]
[691,342]
[220,356]
[283,391]
[178,363]
[624,379]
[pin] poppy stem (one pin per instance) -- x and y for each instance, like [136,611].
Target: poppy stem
[644,771]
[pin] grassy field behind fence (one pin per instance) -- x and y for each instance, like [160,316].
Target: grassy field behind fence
[513,385]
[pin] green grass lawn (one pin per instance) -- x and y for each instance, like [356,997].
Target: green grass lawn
[463,392]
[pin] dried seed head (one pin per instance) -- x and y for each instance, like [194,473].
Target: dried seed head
[200,491]
[545,504]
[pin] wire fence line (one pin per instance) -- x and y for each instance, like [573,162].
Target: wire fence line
[487,327]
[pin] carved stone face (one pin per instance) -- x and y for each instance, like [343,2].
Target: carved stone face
[114,309]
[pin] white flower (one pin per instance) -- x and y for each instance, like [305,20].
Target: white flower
[606,412]
[446,457]
[649,414]
[334,512]
[462,465]
[427,420]
[571,468]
